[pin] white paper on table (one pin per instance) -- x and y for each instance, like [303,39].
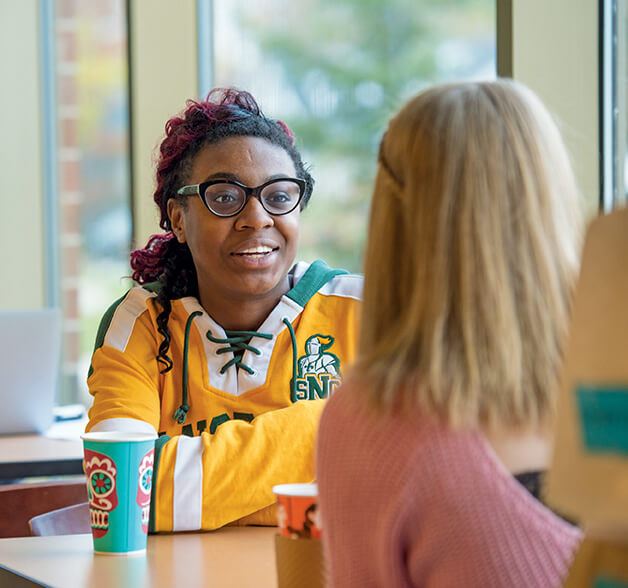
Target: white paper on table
[70,429]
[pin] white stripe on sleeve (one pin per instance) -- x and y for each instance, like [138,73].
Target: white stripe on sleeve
[188,485]
[344,285]
[125,425]
[124,318]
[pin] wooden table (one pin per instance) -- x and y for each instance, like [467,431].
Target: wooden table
[24,456]
[232,556]
[58,452]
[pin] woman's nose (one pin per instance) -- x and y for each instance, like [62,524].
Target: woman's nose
[254,216]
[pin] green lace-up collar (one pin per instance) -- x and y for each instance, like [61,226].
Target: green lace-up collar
[238,343]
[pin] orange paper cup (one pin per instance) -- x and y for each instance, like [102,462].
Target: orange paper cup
[297,510]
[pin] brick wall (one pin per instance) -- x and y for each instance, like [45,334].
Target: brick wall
[70,193]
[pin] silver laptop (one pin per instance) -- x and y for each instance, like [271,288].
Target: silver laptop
[30,348]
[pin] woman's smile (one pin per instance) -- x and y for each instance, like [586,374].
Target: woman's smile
[256,255]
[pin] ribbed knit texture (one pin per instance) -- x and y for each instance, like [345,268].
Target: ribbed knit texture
[409,502]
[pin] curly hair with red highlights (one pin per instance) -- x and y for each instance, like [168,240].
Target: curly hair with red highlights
[224,113]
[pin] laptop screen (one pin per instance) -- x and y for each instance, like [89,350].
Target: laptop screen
[30,346]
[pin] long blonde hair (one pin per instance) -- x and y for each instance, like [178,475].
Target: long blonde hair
[473,246]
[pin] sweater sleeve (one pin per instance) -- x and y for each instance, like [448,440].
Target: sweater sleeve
[209,481]
[475,525]
[463,520]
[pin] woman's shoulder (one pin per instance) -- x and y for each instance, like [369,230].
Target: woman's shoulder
[354,432]
[122,314]
[142,297]
[134,301]
[467,476]
[459,462]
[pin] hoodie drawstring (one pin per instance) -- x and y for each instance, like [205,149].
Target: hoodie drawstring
[181,413]
[293,383]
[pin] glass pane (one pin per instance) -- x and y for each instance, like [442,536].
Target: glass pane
[622,102]
[614,110]
[335,70]
[93,156]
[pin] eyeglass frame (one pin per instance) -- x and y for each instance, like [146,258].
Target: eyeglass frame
[199,189]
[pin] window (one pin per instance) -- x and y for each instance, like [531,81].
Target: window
[335,71]
[93,208]
[614,108]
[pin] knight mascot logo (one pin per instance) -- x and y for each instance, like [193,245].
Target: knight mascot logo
[319,370]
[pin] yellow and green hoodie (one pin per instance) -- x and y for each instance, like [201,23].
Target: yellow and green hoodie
[238,412]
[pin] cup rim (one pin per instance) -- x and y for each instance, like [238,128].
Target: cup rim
[307,490]
[118,436]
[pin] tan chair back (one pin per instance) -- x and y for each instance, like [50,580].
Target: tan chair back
[589,474]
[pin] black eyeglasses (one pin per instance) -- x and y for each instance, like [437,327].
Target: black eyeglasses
[227,197]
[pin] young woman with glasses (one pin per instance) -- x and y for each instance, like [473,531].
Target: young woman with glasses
[206,350]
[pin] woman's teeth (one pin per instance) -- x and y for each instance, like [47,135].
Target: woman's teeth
[256,251]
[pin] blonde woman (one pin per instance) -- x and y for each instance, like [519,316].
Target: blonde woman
[472,253]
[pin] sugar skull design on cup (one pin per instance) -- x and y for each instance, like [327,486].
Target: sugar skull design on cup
[144,485]
[101,490]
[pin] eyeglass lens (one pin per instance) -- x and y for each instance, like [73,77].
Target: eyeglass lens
[278,197]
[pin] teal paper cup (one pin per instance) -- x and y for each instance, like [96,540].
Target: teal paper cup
[119,472]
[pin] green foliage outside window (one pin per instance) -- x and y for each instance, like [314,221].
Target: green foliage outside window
[340,69]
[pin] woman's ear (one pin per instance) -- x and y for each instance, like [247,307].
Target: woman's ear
[177,219]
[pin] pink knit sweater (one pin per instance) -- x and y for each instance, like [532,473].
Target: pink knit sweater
[408,502]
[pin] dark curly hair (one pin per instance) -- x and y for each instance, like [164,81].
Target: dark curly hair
[225,113]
